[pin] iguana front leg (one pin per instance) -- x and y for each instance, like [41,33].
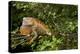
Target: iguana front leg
[35,35]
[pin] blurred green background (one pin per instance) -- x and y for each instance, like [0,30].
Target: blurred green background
[62,20]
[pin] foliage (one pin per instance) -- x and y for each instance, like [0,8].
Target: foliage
[61,19]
